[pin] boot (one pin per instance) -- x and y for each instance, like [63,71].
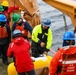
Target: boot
[5,61]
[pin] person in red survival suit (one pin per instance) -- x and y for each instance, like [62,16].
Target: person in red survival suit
[8,10]
[23,61]
[64,61]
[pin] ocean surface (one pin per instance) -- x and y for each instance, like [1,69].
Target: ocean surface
[57,23]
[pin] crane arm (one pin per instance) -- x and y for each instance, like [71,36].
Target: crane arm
[65,6]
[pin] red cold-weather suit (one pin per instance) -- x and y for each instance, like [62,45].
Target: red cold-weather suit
[20,50]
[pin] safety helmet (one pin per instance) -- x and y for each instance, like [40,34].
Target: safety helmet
[16,33]
[2,18]
[1,8]
[5,3]
[69,35]
[15,17]
[46,22]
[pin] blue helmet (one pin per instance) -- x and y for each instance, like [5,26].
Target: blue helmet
[46,22]
[2,18]
[69,35]
[16,33]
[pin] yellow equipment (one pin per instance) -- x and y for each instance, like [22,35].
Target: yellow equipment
[39,64]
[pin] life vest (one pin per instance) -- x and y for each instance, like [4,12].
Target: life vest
[67,65]
[21,28]
[3,32]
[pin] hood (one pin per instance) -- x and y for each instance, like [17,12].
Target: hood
[69,50]
[18,40]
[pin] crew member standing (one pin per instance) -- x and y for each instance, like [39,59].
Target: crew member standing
[19,24]
[41,38]
[5,38]
[19,49]
[64,61]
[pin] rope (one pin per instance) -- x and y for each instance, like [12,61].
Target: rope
[66,27]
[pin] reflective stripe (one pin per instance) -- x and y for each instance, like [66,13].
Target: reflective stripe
[69,62]
[12,45]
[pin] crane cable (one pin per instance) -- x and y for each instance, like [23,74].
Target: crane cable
[66,27]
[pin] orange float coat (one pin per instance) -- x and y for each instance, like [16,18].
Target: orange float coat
[64,62]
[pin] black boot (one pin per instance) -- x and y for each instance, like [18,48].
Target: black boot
[5,61]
